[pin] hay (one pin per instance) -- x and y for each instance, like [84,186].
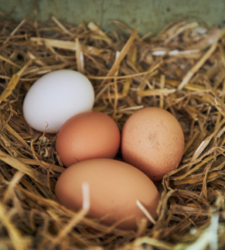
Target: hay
[181,70]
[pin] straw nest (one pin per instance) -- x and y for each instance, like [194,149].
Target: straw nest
[181,70]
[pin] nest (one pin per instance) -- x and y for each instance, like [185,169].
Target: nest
[180,70]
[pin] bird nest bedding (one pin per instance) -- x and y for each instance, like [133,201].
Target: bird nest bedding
[182,70]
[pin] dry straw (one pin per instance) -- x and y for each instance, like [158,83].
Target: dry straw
[180,70]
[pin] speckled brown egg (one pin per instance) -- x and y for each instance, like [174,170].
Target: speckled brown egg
[114,188]
[88,135]
[153,141]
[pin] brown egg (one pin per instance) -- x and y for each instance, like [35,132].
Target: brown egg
[87,135]
[153,141]
[114,186]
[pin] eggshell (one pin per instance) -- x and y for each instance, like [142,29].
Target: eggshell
[87,135]
[153,141]
[114,186]
[55,97]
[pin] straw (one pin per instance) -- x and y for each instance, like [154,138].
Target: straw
[180,70]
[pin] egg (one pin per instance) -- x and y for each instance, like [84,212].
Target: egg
[153,141]
[87,135]
[55,97]
[114,188]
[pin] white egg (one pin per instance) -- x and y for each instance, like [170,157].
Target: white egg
[55,97]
